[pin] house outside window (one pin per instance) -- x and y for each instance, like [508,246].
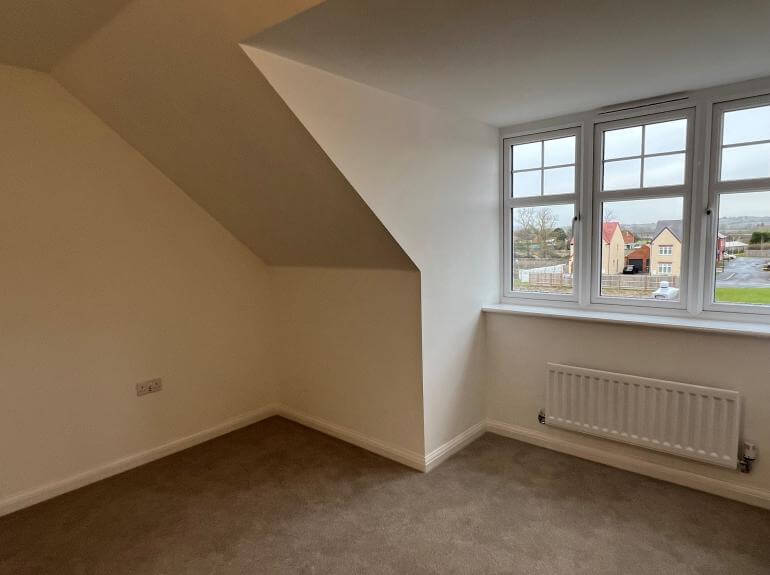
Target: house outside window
[602,207]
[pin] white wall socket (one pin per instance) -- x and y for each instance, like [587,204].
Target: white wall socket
[150,386]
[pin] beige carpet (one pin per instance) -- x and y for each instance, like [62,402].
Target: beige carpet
[279,498]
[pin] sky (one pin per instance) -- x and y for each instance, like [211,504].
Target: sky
[746,155]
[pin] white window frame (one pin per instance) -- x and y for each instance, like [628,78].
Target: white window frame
[684,190]
[509,203]
[661,264]
[665,250]
[699,210]
[716,188]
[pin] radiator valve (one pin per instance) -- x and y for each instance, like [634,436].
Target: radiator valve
[749,456]
[541,416]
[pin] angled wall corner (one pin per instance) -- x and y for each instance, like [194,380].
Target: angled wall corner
[112,275]
[171,79]
[432,178]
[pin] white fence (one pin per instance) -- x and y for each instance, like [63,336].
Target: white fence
[534,275]
[631,283]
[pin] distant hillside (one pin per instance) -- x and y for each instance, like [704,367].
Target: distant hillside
[641,230]
[744,223]
[726,225]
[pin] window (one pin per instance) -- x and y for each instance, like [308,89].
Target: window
[741,198]
[660,208]
[542,178]
[641,185]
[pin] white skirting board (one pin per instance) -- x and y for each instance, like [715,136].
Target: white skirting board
[746,494]
[49,490]
[458,442]
[404,456]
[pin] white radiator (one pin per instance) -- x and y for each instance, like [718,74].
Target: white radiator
[689,420]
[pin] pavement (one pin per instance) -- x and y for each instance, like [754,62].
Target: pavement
[744,272]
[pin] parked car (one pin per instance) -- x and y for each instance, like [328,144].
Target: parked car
[629,270]
[728,257]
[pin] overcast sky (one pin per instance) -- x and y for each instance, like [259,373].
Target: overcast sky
[650,211]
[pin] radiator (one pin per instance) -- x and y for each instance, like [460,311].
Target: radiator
[691,421]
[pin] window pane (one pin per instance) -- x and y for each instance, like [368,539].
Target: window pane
[622,174]
[527,156]
[641,248]
[743,249]
[746,162]
[559,181]
[526,184]
[560,151]
[664,171]
[542,248]
[623,143]
[748,125]
[665,137]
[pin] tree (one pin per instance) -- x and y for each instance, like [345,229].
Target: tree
[559,235]
[536,225]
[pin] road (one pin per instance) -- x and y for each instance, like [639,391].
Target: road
[744,272]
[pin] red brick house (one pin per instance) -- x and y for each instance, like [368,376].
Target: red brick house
[640,259]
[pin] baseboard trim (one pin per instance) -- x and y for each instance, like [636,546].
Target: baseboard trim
[457,443]
[54,488]
[746,494]
[404,456]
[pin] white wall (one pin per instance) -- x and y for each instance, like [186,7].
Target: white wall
[432,179]
[519,347]
[111,275]
[348,346]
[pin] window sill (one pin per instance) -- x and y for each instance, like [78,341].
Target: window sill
[668,322]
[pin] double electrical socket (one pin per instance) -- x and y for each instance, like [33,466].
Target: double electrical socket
[150,386]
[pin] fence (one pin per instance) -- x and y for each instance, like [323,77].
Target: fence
[638,282]
[757,253]
[550,279]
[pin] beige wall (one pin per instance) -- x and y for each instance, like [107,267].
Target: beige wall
[111,275]
[666,238]
[518,349]
[348,343]
[171,79]
[432,179]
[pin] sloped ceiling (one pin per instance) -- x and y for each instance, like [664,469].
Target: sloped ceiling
[510,61]
[38,33]
[171,78]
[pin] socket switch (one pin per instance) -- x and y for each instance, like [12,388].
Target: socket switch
[150,386]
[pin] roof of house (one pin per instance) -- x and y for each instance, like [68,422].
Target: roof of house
[628,237]
[640,253]
[608,229]
[674,226]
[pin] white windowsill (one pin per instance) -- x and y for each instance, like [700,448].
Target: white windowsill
[686,323]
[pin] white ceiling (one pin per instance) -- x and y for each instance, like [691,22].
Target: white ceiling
[507,61]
